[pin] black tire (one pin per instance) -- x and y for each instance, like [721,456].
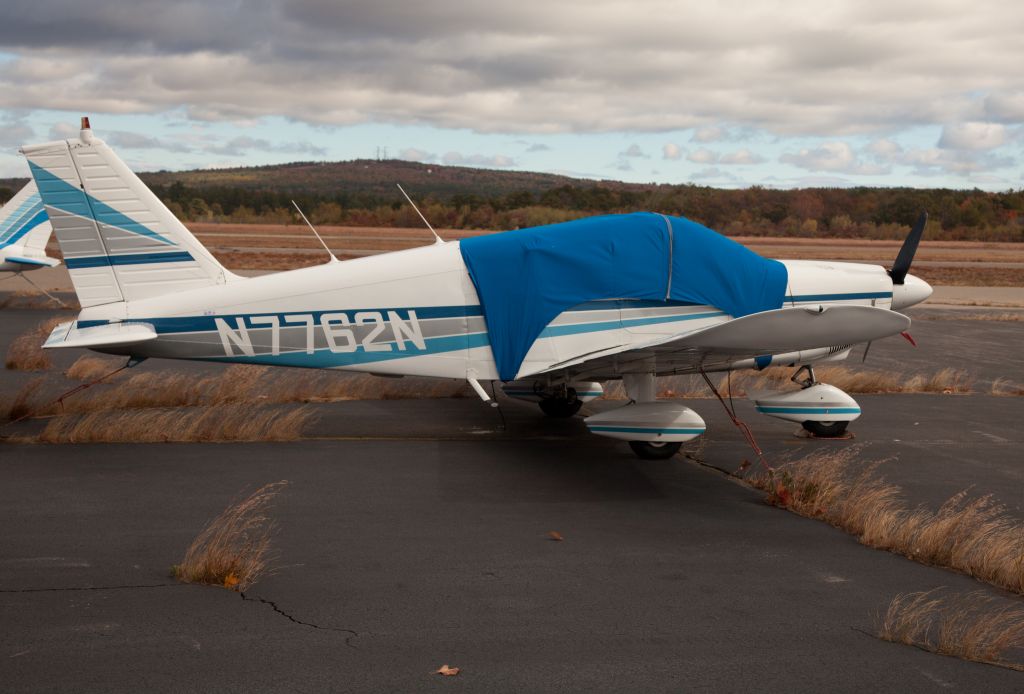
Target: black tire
[560,407]
[655,451]
[826,430]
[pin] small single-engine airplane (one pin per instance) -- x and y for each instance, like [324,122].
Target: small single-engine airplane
[550,311]
[24,231]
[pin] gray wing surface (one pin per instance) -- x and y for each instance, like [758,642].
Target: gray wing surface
[771,332]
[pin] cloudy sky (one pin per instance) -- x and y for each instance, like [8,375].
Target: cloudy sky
[795,93]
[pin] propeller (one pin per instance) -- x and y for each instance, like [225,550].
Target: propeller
[901,267]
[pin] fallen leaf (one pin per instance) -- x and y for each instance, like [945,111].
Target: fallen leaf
[555,536]
[230,581]
[447,671]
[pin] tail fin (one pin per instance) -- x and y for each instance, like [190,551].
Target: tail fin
[120,243]
[23,220]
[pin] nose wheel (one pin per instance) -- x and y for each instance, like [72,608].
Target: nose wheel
[651,450]
[563,405]
[825,430]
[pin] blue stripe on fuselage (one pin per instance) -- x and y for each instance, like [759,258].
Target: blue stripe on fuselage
[127,259]
[839,297]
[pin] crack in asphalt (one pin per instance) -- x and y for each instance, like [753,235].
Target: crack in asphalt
[273,605]
[56,590]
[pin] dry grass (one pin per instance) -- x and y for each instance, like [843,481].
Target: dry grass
[196,424]
[860,381]
[26,351]
[1005,317]
[240,383]
[1005,388]
[970,627]
[24,403]
[959,276]
[90,368]
[692,386]
[233,549]
[975,536]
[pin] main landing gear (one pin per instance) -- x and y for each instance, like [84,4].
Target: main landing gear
[654,429]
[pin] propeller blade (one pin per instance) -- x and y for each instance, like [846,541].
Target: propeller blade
[908,338]
[906,255]
[865,357]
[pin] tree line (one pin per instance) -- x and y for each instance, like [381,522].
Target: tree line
[880,213]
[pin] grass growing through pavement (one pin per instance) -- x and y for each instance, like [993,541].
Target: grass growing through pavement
[26,353]
[233,549]
[974,536]
[690,386]
[239,383]
[225,422]
[970,627]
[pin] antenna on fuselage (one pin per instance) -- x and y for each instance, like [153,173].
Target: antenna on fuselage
[312,228]
[439,239]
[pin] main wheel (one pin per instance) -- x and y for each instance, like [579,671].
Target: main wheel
[650,450]
[826,430]
[560,407]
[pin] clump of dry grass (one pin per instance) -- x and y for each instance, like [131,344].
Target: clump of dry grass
[89,368]
[1005,388]
[26,353]
[975,536]
[239,383]
[860,381]
[740,383]
[233,549]
[214,423]
[24,402]
[1006,317]
[970,627]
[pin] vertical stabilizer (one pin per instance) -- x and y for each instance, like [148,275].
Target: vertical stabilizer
[120,243]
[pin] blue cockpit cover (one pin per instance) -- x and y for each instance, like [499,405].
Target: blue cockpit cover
[526,278]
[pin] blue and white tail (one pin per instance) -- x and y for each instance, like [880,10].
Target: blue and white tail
[23,220]
[120,243]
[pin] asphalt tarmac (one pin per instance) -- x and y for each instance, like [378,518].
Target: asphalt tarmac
[414,534]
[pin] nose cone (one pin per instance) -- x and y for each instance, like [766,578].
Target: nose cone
[913,291]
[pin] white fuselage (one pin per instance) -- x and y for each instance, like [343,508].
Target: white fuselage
[416,312]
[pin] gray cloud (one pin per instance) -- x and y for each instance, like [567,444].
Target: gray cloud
[835,157]
[240,145]
[576,66]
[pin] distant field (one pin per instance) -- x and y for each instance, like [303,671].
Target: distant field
[284,247]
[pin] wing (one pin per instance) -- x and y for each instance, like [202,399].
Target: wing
[772,332]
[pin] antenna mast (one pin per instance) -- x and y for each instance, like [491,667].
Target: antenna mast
[439,239]
[315,233]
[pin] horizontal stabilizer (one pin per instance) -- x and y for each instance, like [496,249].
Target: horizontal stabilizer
[33,262]
[108,335]
[793,329]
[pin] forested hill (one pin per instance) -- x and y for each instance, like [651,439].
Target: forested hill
[363,193]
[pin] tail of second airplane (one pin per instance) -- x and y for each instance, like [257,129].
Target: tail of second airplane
[25,229]
[120,243]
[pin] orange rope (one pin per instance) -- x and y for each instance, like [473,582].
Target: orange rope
[740,424]
[76,389]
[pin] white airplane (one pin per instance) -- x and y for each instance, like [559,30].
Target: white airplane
[550,311]
[24,231]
